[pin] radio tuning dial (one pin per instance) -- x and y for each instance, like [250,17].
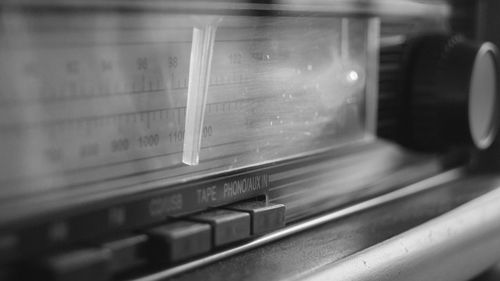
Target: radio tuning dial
[453,92]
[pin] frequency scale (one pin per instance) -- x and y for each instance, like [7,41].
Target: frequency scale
[176,98]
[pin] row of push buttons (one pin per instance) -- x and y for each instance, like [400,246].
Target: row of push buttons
[168,244]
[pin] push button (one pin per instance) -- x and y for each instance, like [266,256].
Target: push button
[265,217]
[126,252]
[228,226]
[178,241]
[80,265]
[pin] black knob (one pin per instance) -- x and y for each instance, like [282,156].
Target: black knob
[453,92]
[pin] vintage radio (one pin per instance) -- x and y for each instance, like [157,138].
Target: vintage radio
[145,140]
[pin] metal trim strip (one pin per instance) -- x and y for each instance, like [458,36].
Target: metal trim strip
[454,246]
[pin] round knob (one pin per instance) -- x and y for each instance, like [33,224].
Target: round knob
[453,92]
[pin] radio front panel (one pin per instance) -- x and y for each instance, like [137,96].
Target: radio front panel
[150,135]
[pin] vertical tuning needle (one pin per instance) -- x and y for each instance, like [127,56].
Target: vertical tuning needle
[199,77]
